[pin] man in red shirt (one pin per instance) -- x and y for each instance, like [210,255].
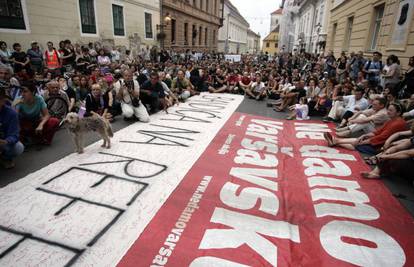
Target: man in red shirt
[233,81]
[245,82]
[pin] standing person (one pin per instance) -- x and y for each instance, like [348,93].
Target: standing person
[20,59]
[341,69]
[35,121]
[373,68]
[392,75]
[127,92]
[330,65]
[36,58]
[356,64]
[68,56]
[408,80]
[52,59]
[103,61]
[10,147]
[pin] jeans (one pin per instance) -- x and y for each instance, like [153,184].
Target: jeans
[8,152]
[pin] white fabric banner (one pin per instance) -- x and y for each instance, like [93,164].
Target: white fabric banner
[87,210]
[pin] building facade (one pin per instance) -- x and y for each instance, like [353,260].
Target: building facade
[253,42]
[304,25]
[271,42]
[275,18]
[190,24]
[130,24]
[371,25]
[232,37]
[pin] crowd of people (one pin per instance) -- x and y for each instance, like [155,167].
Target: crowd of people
[371,100]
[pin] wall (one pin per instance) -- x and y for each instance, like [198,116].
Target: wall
[54,20]
[363,13]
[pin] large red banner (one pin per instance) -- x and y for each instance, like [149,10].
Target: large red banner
[271,193]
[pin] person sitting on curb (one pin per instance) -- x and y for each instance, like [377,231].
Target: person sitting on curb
[10,147]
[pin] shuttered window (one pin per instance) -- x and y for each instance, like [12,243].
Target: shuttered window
[87,14]
[11,15]
[118,19]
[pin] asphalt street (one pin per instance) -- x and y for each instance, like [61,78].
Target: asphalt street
[35,157]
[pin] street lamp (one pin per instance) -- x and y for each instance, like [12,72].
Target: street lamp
[161,35]
[226,48]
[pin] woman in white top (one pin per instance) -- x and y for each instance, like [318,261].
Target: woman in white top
[104,61]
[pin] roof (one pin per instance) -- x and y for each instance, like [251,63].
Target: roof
[277,12]
[276,29]
[249,31]
[236,12]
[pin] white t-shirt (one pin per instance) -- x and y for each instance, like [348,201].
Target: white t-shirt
[351,103]
[258,87]
[302,112]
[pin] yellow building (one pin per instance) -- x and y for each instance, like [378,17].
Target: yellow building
[130,24]
[372,25]
[271,42]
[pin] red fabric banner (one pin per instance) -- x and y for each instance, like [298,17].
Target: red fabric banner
[271,193]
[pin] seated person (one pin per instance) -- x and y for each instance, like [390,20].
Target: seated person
[372,142]
[96,102]
[181,86]
[128,93]
[292,96]
[299,111]
[56,107]
[351,104]
[396,160]
[233,82]
[63,84]
[219,83]
[366,121]
[152,93]
[245,81]
[170,97]
[36,124]
[10,147]
[257,89]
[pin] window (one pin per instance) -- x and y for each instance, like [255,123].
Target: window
[11,15]
[118,19]
[87,15]
[275,45]
[206,36]
[201,4]
[200,30]
[193,35]
[173,31]
[207,5]
[214,37]
[185,33]
[148,26]
[333,35]
[267,44]
[378,14]
[348,33]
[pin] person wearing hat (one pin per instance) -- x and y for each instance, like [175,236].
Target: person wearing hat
[36,57]
[10,147]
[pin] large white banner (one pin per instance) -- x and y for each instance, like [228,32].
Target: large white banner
[86,210]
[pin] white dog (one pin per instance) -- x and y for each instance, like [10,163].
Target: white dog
[78,126]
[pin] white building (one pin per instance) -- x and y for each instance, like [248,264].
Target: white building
[275,18]
[253,42]
[130,24]
[232,37]
[304,25]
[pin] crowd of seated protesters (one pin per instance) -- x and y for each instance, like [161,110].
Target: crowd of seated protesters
[370,100]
